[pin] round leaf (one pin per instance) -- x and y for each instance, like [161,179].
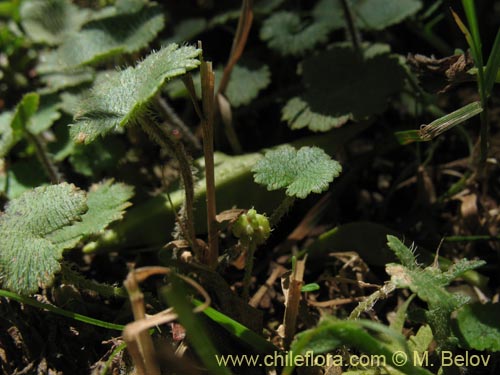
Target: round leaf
[308,170]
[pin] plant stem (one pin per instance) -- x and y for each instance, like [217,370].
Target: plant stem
[239,42]
[485,125]
[59,311]
[81,282]
[162,138]
[296,279]
[142,349]
[207,89]
[248,270]
[471,238]
[44,158]
[351,27]
[281,210]
[368,303]
[173,118]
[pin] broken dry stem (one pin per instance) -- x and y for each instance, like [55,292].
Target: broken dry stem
[257,297]
[139,343]
[207,90]
[239,42]
[292,300]
[135,334]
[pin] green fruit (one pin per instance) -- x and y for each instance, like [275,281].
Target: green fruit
[252,228]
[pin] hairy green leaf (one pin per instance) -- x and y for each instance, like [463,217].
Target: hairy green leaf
[21,176]
[340,85]
[13,125]
[405,255]
[479,326]
[104,38]
[286,33]
[50,21]
[31,231]
[429,284]
[106,203]
[122,97]
[308,170]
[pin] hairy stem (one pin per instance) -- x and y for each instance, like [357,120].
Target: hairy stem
[81,282]
[162,138]
[44,158]
[281,211]
[175,120]
[248,270]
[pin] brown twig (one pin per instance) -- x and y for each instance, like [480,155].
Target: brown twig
[292,300]
[239,42]
[207,90]
[257,297]
[139,343]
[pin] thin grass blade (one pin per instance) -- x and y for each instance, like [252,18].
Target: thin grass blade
[258,343]
[197,334]
[470,13]
[442,124]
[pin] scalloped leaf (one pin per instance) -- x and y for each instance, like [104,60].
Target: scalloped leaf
[50,21]
[21,176]
[100,158]
[13,125]
[101,39]
[479,326]
[31,231]
[262,7]
[187,30]
[379,14]
[286,33]
[122,97]
[106,203]
[308,170]
[46,115]
[341,86]
[62,80]
[244,84]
